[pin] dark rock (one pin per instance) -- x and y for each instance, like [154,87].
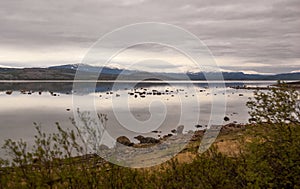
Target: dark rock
[165,136]
[124,140]
[173,130]
[198,126]
[226,118]
[146,140]
[156,131]
[9,92]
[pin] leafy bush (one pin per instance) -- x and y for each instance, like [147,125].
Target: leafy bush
[272,157]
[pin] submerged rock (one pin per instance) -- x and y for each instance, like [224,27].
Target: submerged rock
[103,147]
[180,129]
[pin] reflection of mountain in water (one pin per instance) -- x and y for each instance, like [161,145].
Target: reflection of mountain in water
[67,87]
[64,87]
[61,87]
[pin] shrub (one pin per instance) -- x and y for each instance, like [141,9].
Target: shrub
[272,157]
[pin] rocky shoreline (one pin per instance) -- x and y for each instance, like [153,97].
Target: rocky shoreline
[155,151]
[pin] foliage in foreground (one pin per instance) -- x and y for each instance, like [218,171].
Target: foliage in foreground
[268,158]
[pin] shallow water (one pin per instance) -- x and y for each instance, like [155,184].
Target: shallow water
[177,106]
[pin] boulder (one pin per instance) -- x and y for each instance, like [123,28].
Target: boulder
[173,131]
[9,92]
[226,118]
[146,140]
[124,140]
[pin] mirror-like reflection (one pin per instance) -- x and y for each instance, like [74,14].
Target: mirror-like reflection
[23,103]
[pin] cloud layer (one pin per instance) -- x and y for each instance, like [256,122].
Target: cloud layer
[258,36]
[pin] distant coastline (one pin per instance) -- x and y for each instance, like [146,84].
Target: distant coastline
[68,72]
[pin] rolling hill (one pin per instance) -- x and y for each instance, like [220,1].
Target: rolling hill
[67,72]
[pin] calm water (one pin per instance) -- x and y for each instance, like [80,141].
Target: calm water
[49,102]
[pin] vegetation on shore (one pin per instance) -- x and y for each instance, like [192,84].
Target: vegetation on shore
[266,155]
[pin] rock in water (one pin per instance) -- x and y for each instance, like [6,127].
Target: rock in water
[124,140]
[146,140]
[103,147]
[180,129]
[173,130]
[9,92]
[226,118]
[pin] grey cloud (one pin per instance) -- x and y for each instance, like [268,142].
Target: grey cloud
[259,31]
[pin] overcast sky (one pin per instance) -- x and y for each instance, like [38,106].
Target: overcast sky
[251,36]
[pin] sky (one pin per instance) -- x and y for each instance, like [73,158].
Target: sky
[258,36]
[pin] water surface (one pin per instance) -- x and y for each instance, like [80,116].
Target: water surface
[48,102]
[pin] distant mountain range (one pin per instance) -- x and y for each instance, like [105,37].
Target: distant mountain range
[67,72]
